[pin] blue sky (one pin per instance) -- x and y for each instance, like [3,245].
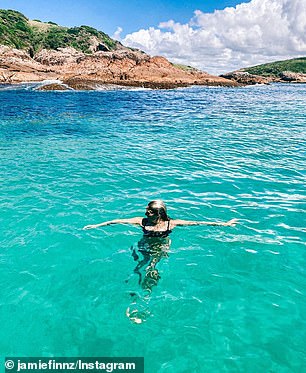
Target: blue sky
[215,36]
[107,15]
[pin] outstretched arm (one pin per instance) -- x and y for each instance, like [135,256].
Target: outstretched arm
[230,223]
[134,221]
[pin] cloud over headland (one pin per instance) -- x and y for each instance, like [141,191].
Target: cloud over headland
[251,33]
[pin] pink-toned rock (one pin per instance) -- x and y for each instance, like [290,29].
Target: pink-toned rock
[53,87]
[59,57]
[245,78]
[17,66]
[10,55]
[84,71]
[289,76]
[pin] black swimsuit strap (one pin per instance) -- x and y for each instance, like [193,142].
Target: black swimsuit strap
[144,224]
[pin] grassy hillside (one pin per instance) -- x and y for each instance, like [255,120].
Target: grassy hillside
[19,32]
[14,29]
[296,65]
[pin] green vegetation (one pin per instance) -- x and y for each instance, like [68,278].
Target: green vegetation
[14,29]
[296,65]
[184,67]
[19,32]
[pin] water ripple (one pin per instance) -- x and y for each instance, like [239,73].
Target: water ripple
[74,158]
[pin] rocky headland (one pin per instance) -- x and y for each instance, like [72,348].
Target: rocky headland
[287,71]
[245,78]
[83,58]
[81,71]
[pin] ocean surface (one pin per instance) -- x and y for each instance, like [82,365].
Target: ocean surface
[229,299]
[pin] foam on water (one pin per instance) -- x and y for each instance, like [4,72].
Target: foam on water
[30,86]
[229,299]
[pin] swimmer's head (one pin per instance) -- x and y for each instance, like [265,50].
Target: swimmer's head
[157,208]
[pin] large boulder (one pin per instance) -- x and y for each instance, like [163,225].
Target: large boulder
[245,78]
[292,77]
[59,57]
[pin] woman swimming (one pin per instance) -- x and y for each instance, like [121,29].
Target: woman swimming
[155,242]
[157,223]
[154,245]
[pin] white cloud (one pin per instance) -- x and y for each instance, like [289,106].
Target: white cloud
[251,33]
[117,33]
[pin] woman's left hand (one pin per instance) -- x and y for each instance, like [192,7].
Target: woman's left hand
[89,227]
[231,223]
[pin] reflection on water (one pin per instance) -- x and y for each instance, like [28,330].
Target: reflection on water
[148,252]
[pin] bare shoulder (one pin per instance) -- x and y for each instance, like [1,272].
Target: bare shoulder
[136,220]
[176,222]
[180,222]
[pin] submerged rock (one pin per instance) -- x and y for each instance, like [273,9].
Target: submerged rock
[53,87]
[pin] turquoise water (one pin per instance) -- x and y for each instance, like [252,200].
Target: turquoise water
[230,299]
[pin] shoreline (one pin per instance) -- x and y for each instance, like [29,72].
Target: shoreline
[97,85]
[101,86]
